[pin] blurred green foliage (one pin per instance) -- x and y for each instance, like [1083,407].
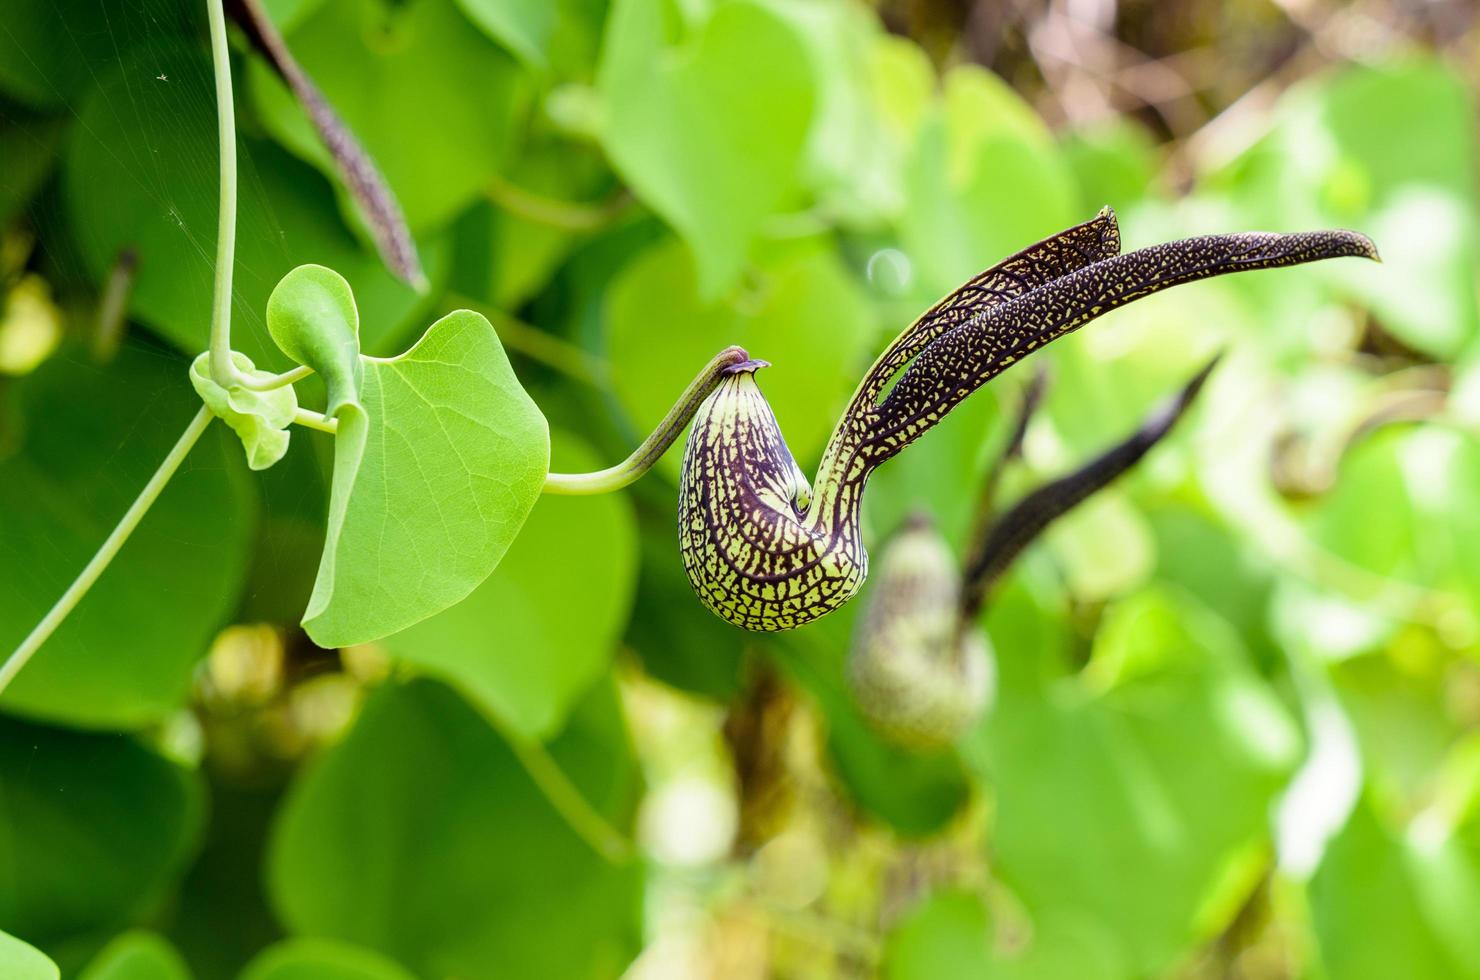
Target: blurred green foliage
[1235,729]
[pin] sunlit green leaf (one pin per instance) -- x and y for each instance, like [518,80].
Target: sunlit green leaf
[1114,163]
[137,956]
[714,175]
[949,936]
[513,644]
[322,959]
[522,26]
[490,882]
[868,86]
[985,180]
[22,961]
[1390,149]
[1164,757]
[1422,929]
[433,478]
[91,438]
[1426,484]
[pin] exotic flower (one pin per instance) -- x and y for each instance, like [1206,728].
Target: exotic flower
[767,551]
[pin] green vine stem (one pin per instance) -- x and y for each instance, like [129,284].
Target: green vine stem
[108,551]
[532,342]
[223,371]
[654,446]
[564,215]
[565,797]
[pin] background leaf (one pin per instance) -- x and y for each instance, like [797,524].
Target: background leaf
[92,830]
[92,437]
[805,316]
[121,193]
[322,959]
[137,956]
[718,183]
[1119,760]
[488,883]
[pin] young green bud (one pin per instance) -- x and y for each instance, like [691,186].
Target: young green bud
[914,672]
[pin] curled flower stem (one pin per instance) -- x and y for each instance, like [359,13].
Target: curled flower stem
[274,381]
[654,446]
[108,551]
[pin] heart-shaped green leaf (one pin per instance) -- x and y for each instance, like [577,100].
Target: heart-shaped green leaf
[523,26]
[312,317]
[715,176]
[483,644]
[434,474]
[22,961]
[259,418]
